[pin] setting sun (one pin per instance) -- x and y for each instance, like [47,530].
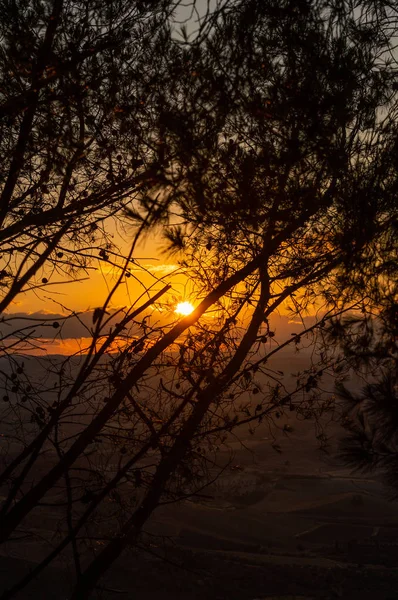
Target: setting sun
[184,308]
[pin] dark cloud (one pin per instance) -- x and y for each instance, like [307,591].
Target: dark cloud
[41,324]
[49,325]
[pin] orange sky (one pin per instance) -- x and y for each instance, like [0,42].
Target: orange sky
[91,289]
[84,296]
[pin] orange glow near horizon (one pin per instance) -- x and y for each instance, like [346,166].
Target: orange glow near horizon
[184,308]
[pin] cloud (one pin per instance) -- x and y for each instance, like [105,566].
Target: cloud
[50,325]
[162,268]
[57,333]
[56,326]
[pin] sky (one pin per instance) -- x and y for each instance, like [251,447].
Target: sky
[90,288]
[58,298]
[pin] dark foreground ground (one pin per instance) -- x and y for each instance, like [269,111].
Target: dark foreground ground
[224,575]
[291,525]
[296,524]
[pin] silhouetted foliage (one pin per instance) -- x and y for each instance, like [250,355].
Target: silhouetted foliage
[371,416]
[78,97]
[263,150]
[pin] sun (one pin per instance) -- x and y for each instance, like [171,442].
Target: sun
[184,308]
